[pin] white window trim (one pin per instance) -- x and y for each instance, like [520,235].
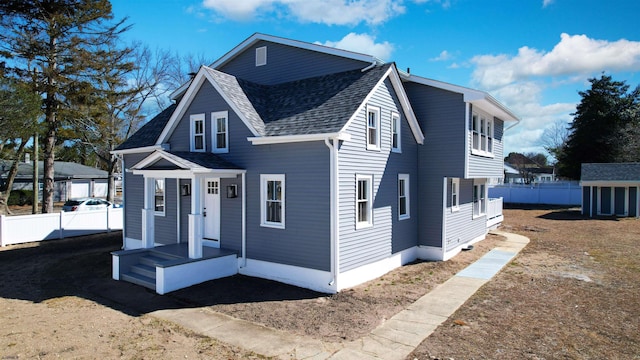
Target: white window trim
[264,178]
[455,190]
[407,196]
[482,210]
[192,134]
[261,56]
[397,149]
[369,222]
[488,130]
[376,110]
[164,197]
[214,132]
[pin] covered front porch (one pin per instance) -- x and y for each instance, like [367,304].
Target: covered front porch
[169,267]
[181,242]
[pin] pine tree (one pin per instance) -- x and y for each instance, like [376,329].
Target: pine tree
[64,45]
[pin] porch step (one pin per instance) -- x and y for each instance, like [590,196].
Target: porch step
[141,280]
[151,259]
[144,270]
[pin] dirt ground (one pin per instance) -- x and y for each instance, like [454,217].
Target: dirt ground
[572,293]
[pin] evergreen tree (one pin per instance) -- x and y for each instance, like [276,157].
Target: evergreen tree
[64,45]
[604,114]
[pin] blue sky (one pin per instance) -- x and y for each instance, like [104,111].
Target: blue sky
[532,55]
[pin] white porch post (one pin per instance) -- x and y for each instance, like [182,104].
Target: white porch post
[196,219]
[148,217]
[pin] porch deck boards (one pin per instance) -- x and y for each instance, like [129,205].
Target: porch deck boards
[181,251]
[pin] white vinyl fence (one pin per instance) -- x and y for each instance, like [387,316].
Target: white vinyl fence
[550,193]
[38,227]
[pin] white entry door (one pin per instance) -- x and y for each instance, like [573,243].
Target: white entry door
[211,211]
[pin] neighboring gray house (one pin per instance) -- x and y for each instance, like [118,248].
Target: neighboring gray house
[308,165]
[610,189]
[71,180]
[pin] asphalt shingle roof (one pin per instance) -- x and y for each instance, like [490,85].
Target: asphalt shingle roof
[149,133]
[204,159]
[610,172]
[317,105]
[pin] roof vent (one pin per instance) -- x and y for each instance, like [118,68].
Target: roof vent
[261,56]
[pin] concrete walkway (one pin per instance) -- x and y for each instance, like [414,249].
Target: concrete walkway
[394,339]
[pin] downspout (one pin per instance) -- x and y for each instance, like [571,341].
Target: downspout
[124,218]
[334,209]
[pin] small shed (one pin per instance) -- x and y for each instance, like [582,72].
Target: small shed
[610,189]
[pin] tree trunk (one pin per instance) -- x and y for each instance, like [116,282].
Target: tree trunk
[48,171]
[4,196]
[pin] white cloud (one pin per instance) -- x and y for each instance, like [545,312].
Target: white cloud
[363,43]
[330,12]
[443,56]
[546,3]
[576,54]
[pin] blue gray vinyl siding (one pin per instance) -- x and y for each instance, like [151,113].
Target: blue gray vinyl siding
[231,215]
[305,241]
[388,235]
[483,166]
[619,200]
[633,199]
[133,198]
[286,63]
[460,226]
[586,192]
[605,200]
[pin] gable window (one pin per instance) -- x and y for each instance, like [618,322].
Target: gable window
[197,133]
[373,128]
[403,196]
[455,194]
[396,125]
[261,56]
[364,201]
[479,198]
[158,203]
[272,199]
[482,133]
[220,131]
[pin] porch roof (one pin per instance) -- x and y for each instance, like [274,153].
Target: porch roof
[193,162]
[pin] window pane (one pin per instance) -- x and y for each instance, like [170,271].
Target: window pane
[221,141]
[401,187]
[199,143]
[159,195]
[403,205]
[362,211]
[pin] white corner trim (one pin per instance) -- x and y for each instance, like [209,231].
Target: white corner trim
[317,280]
[376,269]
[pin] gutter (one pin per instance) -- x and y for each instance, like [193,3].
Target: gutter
[334,209]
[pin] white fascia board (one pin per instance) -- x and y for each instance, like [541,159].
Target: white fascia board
[476,97]
[265,140]
[406,105]
[159,154]
[139,150]
[294,43]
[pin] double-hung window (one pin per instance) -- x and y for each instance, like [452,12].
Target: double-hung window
[272,199]
[403,196]
[197,133]
[220,131]
[364,201]
[479,198]
[396,125]
[159,195]
[373,128]
[482,134]
[455,194]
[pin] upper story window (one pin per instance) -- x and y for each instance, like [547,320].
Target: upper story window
[482,133]
[364,201]
[403,196]
[272,199]
[197,133]
[220,131]
[261,56]
[455,194]
[396,125]
[373,128]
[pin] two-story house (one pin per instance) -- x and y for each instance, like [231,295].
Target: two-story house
[308,165]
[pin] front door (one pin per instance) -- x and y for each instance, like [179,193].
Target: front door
[211,211]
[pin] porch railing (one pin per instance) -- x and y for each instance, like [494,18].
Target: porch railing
[494,211]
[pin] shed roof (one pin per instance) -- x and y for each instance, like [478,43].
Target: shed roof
[610,172]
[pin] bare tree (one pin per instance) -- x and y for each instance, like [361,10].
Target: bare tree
[555,137]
